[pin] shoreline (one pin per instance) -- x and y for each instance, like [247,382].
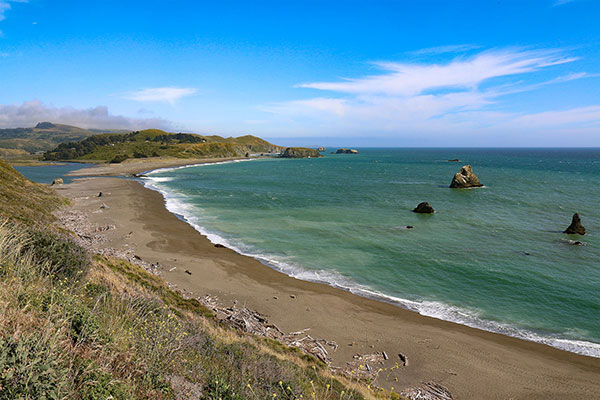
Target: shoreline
[472,363]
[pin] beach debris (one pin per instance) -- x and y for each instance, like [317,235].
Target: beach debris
[57,181]
[465,178]
[385,356]
[575,228]
[362,366]
[172,269]
[104,206]
[403,359]
[292,296]
[428,391]
[188,272]
[104,228]
[252,322]
[220,246]
[100,194]
[92,238]
[424,208]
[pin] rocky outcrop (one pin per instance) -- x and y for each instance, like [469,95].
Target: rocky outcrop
[346,151]
[424,208]
[300,152]
[454,160]
[57,181]
[465,178]
[575,228]
[321,149]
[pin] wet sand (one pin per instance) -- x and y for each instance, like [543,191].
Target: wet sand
[471,363]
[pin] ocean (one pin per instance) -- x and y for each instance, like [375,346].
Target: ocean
[492,258]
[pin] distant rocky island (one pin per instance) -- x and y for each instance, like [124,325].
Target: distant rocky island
[346,151]
[300,152]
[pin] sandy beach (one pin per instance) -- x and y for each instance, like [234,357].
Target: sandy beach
[471,363]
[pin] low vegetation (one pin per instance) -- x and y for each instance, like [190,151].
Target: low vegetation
[75,325]
[116,148]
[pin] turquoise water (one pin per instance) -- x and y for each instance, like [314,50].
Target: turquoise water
[47,173]
[492,257]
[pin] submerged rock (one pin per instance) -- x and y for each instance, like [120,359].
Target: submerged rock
[465,178]
[454,160]
[424,208]
[57,181]
[346,151]
[300,152]
[575,228]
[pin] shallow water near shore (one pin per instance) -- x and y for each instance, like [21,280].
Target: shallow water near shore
[492,258]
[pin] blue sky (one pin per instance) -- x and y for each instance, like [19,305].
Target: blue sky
[387,73]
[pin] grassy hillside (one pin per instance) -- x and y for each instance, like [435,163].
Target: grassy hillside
[157,143]
[75,325]
[44,136]
[23,200]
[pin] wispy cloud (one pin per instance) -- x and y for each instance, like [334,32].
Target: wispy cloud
[432,97]
[5,6]
[31,112]
[164,94]
[562,2]
[454,48]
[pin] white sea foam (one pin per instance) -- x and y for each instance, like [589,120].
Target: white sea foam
[177,204]
[168,169]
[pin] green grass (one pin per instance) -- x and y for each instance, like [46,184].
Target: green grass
[26,201]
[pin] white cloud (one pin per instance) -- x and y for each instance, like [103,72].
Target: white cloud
[411,79]
[164,94]
[431,97]
[31,112]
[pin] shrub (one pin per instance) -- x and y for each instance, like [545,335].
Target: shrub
[119,158]
[65,258]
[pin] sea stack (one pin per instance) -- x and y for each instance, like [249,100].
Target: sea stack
[424,208]
[575,228]
[300,152]
[465,178]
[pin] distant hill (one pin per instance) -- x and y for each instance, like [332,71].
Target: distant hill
[44,136]
[157,143]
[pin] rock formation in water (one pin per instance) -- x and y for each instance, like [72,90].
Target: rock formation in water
[346,151]
[57,181]
[424,208]
[465,178]
[321,149]
[575,228]
[300,152]
[454,160]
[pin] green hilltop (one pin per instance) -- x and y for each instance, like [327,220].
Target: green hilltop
[157,143]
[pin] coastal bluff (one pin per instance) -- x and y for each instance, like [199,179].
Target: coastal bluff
[465,178]
[300,152]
